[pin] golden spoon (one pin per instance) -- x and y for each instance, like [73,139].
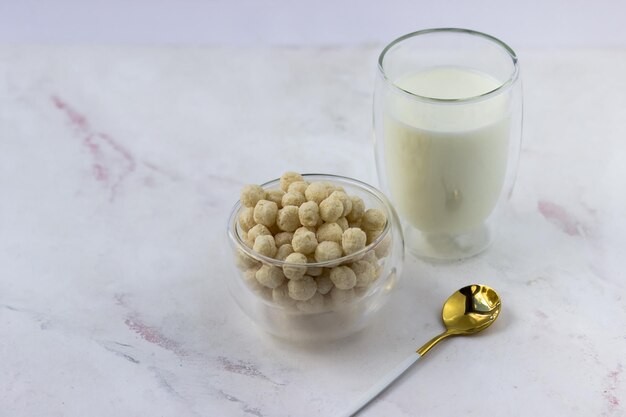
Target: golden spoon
[467,311]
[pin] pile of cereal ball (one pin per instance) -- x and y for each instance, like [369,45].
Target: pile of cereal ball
[303,223]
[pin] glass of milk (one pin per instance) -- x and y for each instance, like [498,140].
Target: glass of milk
[448,127]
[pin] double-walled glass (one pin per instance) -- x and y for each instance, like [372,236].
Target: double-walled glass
[448,124]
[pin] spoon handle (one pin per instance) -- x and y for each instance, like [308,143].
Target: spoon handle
[381,385]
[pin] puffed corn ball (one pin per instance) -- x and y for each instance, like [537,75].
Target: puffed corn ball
[329,232]
[246,218]
[287,219]
[295,272]
[309,213]
[256,231]
[324,283]
[328,251]
[364,272]
[284,251]
[313,271]
[343,223]
[343,277]
[298,187]
[346,202]
[287,178]
[270,276]
[302,224]
[316,191]
[373,219]
[293,199]
[372,235]
[244,261]
[275,195]
[353,240]
[265,245]
[280,295]
[331,209]
[251,194]
[302,289]
[283,238]
[265,212]
[358,208]
[304,241]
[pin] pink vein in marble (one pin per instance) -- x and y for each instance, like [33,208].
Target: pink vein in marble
[243,368]
[153,335]
[561,218]
[148,333]
[612,400]
[111,162]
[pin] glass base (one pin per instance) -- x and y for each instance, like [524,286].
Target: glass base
[445,246]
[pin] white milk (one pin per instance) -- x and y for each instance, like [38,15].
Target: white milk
[446,163]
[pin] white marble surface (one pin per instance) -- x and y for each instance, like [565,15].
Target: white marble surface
[118,168]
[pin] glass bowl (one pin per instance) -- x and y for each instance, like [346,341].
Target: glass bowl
[326,316]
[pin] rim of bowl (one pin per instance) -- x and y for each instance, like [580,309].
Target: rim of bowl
[234,236]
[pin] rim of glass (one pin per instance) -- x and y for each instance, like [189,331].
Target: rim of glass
[234,236]
[505,85]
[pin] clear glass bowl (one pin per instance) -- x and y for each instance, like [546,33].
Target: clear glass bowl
[337,316]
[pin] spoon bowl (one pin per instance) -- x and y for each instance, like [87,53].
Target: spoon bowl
[471,309]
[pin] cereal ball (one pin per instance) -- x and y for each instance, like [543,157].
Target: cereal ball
[345,201]
[339,296]
[364,272]
[358,208]
[304,241]
[283,238]
[298,187]
[246,239]
[313,271]
[302,289]
[343,277]
[265,212]
[324,283]
[372,235]
[251,194]
[314,304]
[370,257]
[331,209]
[275,195]
[309,213]
[353,240]
[284,251]
[316,191]
[287,178]
[265,245]
[246,218]
[287,219]
[373,219]
[292,199]
[328,251]
[249,278]
[383,248]
[295,272]
[343,223]
[270,276]
[280,295]
[329,232]
[256,231]
[245,261]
